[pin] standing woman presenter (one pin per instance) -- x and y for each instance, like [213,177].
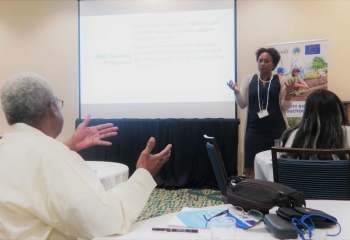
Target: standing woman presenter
[268,97]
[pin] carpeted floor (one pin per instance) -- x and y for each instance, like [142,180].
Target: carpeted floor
[164,201]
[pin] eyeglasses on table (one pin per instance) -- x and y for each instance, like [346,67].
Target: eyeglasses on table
[257,215]
[236,211]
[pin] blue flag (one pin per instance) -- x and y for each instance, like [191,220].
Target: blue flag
[312,49]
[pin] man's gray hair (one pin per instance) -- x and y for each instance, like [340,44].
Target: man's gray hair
[25,97]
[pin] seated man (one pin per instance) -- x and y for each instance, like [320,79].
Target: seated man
[47,190]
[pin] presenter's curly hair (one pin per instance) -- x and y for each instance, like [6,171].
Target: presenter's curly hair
[276,57]
[322,125]
[25,97]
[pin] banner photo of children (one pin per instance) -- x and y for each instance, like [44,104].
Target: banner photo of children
[306,63]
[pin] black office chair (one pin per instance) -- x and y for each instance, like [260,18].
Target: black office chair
[218,166]
[317,179]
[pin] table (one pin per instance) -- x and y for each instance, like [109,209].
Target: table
[143,229]
[110,173]
[263,166]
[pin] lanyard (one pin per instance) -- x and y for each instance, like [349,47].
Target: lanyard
[268,93]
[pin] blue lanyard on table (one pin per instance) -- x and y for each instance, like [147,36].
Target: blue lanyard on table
[311,226]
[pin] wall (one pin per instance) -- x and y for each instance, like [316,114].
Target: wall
[266,22]
[42,36]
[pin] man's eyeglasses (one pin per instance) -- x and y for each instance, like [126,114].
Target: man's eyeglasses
[59,103]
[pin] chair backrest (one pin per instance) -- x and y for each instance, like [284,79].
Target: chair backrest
[317,179]
[218,165]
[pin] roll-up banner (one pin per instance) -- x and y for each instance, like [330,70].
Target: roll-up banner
[306,62]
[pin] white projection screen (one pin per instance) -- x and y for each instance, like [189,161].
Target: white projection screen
[157,58]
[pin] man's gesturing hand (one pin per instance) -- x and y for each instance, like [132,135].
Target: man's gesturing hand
[153,163]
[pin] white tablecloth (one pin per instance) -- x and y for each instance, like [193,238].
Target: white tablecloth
[263,166]
[110,173]
[143,229]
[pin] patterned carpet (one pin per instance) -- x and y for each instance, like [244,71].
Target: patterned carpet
[164,201]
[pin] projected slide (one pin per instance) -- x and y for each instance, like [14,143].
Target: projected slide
[172,57]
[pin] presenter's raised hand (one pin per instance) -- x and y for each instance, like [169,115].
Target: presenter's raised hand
[233,86]
[153,163]
[85,137]
[290,85]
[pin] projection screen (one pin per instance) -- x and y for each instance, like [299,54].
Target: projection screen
[157,59]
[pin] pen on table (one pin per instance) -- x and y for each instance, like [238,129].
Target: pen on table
[176,230]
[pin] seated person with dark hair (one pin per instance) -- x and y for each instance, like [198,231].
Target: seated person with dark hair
[47,190]
[323,125]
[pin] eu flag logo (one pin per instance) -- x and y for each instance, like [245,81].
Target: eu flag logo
[312,49]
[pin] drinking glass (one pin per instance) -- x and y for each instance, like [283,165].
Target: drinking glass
[223,227]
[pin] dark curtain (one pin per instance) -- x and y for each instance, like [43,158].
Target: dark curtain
[189,165]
